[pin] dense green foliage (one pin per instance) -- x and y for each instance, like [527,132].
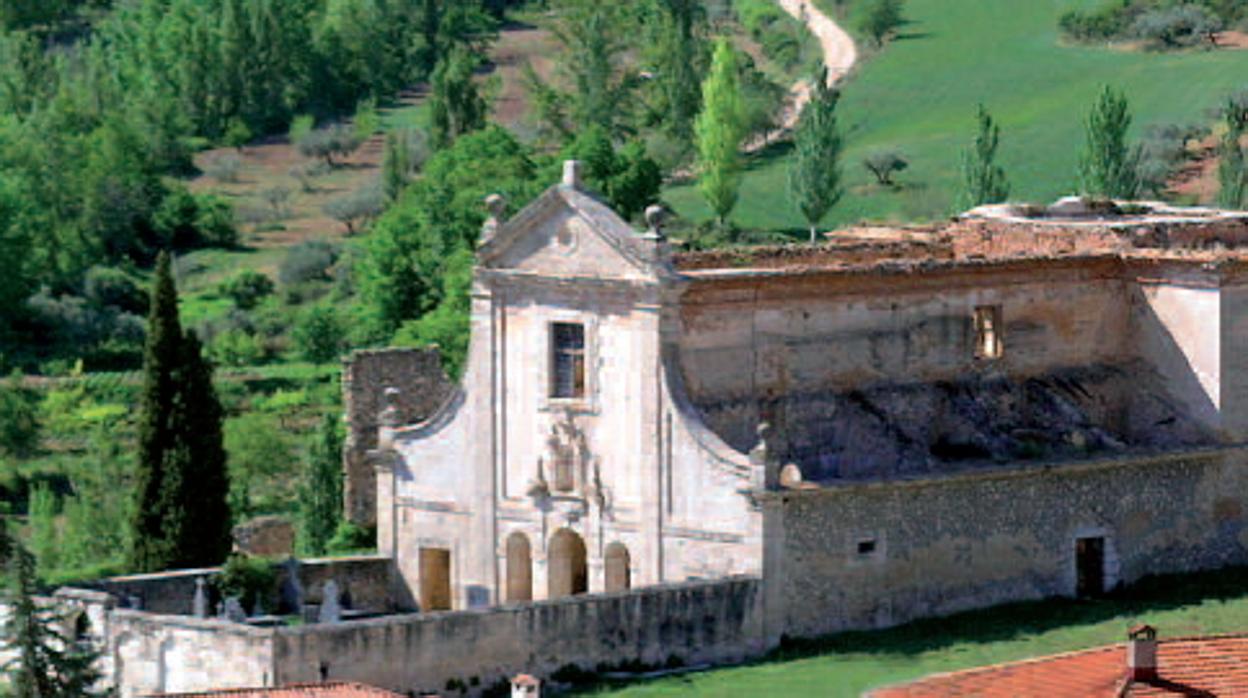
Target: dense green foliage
[815,174]
[1232,170]
[626,176]
[983,180]
[720,130]
[455,101]
[181,516]
[253,581]
[881,18]
[1109,166]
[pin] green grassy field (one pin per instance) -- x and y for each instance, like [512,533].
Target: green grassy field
[851,663]
[919,95]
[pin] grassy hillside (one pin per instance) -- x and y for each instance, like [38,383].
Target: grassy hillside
[849,664]
[919,95]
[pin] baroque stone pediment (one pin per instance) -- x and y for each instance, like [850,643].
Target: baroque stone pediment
[570,234]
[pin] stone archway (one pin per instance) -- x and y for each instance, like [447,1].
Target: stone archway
[567,571]
[519,568]
[618,575]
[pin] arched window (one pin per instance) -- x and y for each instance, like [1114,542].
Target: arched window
[519,568]
[618,576]
[567,573]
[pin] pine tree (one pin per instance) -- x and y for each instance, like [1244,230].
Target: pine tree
[320,501]
[46,662]
[1108,166]
[181,518]
[983,181]
[815,175]
[1232,174]
[720,129]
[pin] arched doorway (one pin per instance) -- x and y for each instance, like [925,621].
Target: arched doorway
[567,573]
[617,568]
[519,568]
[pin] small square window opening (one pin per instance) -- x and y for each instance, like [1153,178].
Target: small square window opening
[866,547]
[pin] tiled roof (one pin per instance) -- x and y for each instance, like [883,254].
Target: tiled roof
[1209,666]
[327,689]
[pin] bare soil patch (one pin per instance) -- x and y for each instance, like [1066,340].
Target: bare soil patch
[517,45]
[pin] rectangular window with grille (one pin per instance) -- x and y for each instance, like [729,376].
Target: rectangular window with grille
[567,359]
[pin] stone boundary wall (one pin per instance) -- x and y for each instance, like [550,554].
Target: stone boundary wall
[366,577]
[423,387]
[691,623]
[863,556]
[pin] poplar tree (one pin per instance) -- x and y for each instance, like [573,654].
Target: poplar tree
[396,165]
[677,54]
[983,181]
[1232,176]
[720,129]
[815,175]
[456,105]
[181,518]
[320,500]
[1108,166]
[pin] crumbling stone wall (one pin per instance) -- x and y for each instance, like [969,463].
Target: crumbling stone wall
[873,555]
[423,386]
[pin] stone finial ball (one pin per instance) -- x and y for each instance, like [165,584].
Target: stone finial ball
[655,215]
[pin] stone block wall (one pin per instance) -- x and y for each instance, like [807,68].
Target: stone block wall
[423,387]
[874,555]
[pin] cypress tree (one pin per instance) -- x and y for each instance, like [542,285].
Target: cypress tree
[814,176]
[180,516]
[454,101]
[1232,174]
[320,500]
[983,181]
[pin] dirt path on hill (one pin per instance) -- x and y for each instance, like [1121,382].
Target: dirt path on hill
[839,55]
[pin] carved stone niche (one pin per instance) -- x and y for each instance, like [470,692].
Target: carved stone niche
[568,472]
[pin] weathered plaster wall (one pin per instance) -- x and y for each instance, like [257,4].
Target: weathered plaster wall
[423,387]
[164,654]
[694,623]
[949,544]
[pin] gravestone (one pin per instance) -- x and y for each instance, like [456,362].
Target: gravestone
[201,598]
[331,604]
[233,611]
[292,590]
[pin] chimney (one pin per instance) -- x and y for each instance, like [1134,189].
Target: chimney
[1142,653]
[572,174]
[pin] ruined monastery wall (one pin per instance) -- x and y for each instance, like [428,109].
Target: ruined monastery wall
[875,555]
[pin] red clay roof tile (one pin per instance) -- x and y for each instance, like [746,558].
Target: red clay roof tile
[327,689]
[1210,666]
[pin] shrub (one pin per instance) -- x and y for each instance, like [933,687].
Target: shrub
[1106,22]
[277,198]
[106,287]
[883,164]
[307,261]
[351,538]
[300,126]
[253,581]
[237,348]
[1172,27]
[320,334]
[247,289]
[224,167]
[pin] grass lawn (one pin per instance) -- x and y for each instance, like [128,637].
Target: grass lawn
[919,95]
[850,663]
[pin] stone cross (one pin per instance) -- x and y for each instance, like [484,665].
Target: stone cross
[331,604]
[233,610]
[200,605]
